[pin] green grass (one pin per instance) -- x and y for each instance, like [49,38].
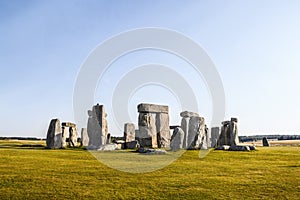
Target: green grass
[32,172]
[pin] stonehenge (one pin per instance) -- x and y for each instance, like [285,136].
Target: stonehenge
[153,131]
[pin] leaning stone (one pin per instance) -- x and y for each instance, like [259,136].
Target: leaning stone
[177,139]
[265,142]
[152,108]
[108,147]
[54,134]
[189,114]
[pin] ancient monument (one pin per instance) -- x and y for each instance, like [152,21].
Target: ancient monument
[129,136]
[153,131]
[229,133]
[54,134]
[265,142]
[70,129]
[84,137]
[177,139]
[215,133]
[97,127]
[195,131]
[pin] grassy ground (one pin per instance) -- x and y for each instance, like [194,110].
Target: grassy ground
[32,172]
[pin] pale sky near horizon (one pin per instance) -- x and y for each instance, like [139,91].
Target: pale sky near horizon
[255,46]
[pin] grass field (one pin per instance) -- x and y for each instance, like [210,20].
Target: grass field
[33,172]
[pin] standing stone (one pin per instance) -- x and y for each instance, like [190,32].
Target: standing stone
[163,130]
[94,130]
[185,128]
[108,140]
[65,133]
[54,134]
[229,133]
[265,142]
[129,132]
[73,136]
[177,139]
[101,117]
[215,133]
[147,131]
[84,137]
[196,133]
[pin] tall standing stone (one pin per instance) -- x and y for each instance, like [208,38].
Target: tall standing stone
[84,137]
[54,134]
[163,130]
[215,133]
[147,131]
[229,133]
[185,128]
[129,132]
[73,136]
[196,133]
[65,134]
[177,139]
[101,117]
[265,142]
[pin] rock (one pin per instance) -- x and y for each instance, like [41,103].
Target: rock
[108,139]
[239,148]
[68,124]
[229,133]
[177,139]
[108,147]
[252,148]
[132,144]
[265,142]
[97,126]
[196,134]
[188,114]
[149,151]
[65,134]
[54,134]
[147,136]
[223,147]
[152,108]
[73,136]
[129,132]
[185,128]
[163,130]
[215,133]
[84,137]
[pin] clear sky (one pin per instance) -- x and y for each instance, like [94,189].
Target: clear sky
[255,45]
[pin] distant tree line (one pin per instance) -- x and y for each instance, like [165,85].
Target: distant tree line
[254,138]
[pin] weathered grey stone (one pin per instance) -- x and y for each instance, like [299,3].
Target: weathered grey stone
[229,133]
[148,151]
[65,134]
[73,136]
[84,137]
[239,148]
[152,108]
[68,124]
[265,142]
[163,130]
[108,147]
[97,127]
[132,144]
[222,147]
[189,114]
[108,139]
[196,133]
[147,131]
[177,139]
[54,134]
[215,133]
[185,128]
[129,132]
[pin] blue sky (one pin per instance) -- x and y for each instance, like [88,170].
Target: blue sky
[255,46]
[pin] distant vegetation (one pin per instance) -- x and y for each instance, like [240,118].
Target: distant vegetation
[254,138]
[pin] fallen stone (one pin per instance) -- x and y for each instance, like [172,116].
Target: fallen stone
[108,147]
[149,151]
[239,148]
[132,145]
[223,147]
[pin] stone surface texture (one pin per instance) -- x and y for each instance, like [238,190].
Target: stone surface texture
[54,134]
